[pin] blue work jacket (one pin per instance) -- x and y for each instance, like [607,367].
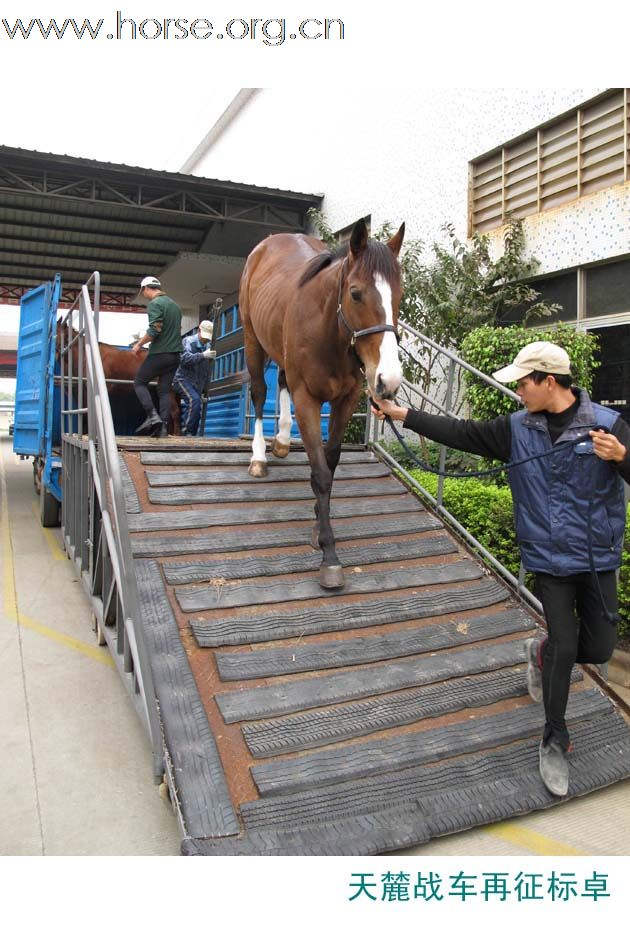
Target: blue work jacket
[555,497]
[193,368]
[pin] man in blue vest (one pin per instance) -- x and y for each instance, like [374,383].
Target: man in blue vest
[193,376]
[569,514]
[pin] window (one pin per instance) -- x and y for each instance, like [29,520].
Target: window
[561,289]
[608,289]
[578,153]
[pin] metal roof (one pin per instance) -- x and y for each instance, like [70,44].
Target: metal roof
[73,215]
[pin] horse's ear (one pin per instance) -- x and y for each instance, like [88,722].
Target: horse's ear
[396,241]
[358,237]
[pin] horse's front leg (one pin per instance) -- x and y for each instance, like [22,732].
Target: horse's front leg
[341,411]
[307,414]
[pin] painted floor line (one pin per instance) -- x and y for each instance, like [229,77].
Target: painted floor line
[9,594]
[532,840]
[57,552]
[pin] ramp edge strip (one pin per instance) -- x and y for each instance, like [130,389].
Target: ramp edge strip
[201,785]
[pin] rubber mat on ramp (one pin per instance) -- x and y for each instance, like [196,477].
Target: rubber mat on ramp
[300,721]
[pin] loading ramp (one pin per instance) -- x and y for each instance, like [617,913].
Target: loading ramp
[286,719]
[303,722]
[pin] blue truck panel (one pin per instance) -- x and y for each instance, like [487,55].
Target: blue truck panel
[270,408]
[37,401]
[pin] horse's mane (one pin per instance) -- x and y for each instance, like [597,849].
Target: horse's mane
[376,257]
[321,262]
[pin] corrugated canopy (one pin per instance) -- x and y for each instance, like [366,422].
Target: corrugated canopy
[73,215]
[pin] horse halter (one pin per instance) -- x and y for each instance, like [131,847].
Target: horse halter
[375,330]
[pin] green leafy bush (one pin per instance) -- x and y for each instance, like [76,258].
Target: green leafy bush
[489,349]
[484,509]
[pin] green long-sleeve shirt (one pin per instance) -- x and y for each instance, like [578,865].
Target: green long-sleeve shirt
[165,325]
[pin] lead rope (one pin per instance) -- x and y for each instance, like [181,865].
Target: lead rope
[612,618]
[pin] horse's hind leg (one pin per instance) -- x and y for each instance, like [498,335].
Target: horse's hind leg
[282,440]
[255,357]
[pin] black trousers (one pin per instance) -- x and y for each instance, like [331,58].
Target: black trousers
[162,366]
[578,633]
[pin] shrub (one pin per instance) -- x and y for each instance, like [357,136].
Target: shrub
[489,349]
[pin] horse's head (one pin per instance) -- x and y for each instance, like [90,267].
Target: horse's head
[370,297]
[59,337]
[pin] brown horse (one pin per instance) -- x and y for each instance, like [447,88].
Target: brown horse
[325,319]
[119,364]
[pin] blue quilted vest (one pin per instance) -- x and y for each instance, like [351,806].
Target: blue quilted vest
[551,495]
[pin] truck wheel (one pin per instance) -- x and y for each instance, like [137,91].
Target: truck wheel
[37,474]
[48,508]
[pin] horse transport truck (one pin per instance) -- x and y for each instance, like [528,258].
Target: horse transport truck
[285,718]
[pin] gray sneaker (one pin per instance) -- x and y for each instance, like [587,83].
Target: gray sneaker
[534,674]
[554,767]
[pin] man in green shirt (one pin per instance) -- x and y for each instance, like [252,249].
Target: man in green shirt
[164,336]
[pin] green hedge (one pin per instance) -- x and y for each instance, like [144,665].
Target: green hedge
[485,510]
[489,349]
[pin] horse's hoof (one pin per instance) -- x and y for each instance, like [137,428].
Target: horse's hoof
[257,469]
[331,576]
[315,538]
[281,450]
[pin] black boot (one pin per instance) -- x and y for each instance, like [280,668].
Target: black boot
[161,431]
[153,420]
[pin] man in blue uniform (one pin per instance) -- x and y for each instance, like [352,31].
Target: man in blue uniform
[193,376]
[558,502]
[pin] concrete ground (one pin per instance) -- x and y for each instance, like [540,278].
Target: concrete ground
[77,776]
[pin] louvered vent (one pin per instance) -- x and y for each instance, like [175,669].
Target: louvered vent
[583,151]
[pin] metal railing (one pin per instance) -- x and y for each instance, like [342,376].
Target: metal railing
[453,361]
[94,517]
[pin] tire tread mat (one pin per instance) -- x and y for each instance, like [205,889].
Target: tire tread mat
[330,766]
[281,698]
[254,593]
[309,657]
[399,810]
[332,616]
[268,537]
[377,552]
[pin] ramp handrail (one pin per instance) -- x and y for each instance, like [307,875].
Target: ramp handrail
[102,493]
[453,361]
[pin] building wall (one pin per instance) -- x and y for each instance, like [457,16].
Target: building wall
[592,228]
[403,155]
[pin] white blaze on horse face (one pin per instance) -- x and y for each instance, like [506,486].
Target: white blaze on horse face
[388,375]
[285,422]
[259,446]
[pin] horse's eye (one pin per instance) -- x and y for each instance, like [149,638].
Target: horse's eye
[355,295]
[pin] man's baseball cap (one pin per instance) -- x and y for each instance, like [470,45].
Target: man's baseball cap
[205,330]
[150,282]
[538,356]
